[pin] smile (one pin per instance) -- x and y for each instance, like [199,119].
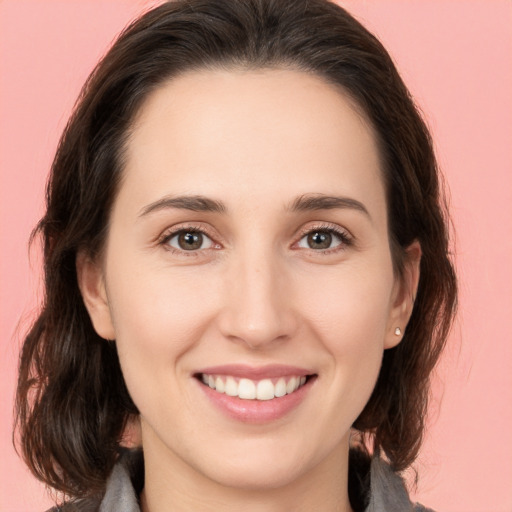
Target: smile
[248,389]
[255,395]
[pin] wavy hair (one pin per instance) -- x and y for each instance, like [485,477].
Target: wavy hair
[72,402]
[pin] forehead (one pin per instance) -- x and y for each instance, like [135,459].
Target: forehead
[222,132]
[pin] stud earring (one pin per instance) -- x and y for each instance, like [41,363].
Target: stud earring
[398,331]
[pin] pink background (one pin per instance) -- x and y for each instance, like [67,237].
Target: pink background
[456,57]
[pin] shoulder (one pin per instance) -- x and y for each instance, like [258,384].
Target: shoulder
[380,489]
[91,504]
[388,490]
[421,508]
[121,492]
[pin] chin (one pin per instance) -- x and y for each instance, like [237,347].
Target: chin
[260,466]
[256,476]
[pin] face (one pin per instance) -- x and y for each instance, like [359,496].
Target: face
[248,254]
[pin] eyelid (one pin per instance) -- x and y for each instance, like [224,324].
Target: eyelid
[171,232]
[347,239]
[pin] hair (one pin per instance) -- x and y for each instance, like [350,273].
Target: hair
[72,403]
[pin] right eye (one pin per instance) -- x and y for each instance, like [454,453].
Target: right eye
[188,240]
[321,239]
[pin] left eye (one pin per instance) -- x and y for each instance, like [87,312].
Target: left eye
[320,239]
[188,240]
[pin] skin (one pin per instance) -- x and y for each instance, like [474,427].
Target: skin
[256,292]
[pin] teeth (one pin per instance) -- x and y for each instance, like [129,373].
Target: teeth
[265,390]
[219,385]
[291,386]
[231,387]
[280,389]
[248,389]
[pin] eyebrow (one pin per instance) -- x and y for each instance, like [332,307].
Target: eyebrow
[191,203]
[303,203]
[310,202]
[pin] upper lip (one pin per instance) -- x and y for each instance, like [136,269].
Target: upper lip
[256,373]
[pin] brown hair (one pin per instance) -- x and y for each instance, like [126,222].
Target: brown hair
[72,402]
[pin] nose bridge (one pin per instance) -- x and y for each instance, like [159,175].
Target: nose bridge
[256,310]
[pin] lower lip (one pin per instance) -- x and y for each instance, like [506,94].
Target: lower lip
[257,411]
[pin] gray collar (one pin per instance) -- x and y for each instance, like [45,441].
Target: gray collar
[387,489]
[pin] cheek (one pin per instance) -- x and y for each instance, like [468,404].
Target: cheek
[157,318]
[152,305]
[350,306]
[349,315]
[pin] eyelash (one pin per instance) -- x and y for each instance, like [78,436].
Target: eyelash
[189,228]
[346,240]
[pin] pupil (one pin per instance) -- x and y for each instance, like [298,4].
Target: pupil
[320,240]
[190,240]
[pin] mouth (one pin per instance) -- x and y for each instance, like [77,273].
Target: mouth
[254,389]
[256,395]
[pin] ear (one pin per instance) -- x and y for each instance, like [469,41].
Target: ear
[92,287]
[404,293]
[132,433]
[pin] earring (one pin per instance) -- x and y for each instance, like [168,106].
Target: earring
[398,331]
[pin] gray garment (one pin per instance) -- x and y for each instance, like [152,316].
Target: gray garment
[387,492]
[120,494]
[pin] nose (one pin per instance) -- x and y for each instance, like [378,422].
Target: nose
[258,309]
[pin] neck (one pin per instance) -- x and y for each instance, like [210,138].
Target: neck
[172,484]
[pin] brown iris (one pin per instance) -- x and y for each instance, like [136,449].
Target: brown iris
[190,240]
[319,240]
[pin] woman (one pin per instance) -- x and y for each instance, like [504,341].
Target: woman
[246,260]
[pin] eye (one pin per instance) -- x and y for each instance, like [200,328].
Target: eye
[323,239]
[189,240]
